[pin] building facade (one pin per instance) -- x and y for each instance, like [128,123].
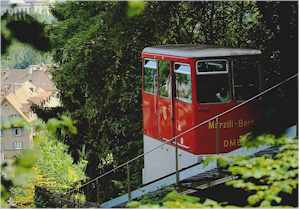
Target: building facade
[20,89]
[13,140]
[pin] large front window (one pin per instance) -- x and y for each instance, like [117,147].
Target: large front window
[183,82]
[213,81]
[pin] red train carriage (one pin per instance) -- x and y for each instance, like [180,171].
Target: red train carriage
[184,85]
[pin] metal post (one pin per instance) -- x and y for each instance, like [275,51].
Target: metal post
[217,136]
[97,192]
[173,123]
[217,141]
[78,197]
[128,182]
[75,198]
[177,163]
[71,198]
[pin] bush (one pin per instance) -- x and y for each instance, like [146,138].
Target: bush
[47,165]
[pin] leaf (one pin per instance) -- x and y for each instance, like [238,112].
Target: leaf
[253,199]
[222,162]
[135,8]
[27,159]
[133,204]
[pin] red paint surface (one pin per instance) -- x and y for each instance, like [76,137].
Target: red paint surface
[158,124]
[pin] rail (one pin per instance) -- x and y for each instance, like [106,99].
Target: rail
[171,140]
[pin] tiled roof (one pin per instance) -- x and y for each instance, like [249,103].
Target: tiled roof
[25,96]
[12,79]
[24,87]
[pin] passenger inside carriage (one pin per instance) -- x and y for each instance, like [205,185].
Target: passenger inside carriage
[223,95]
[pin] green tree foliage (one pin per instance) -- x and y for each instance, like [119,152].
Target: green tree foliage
[97,47]
[47,165]
[20,56]
[23,40]
[15,174]
[277,37]
[103,96]
[24,28]
[267,176]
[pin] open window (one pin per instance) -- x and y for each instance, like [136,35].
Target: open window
[246,77]
[150,76]
[164,79]
[213,83]
[183,82]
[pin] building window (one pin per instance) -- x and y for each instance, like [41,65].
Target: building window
[13,116]
[17,131]
[18,145]
[183,82]
[164,79]
[213,82]
[150,76]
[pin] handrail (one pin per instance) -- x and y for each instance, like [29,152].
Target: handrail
[184,132]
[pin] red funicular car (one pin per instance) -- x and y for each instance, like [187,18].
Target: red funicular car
[184,85]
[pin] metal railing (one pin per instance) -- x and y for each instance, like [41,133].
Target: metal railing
[98,185]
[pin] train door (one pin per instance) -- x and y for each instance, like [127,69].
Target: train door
[150,89]
[183,108]
[165,99]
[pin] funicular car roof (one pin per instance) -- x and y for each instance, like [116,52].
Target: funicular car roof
[199,51]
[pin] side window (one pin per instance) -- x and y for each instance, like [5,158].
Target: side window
[12,116]
[183,82]
[150,76]
[164,79]
[246,78]
[213,81]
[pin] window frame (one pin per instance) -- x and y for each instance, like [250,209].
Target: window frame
[154,92]
[229,76]
[213,72]
[190,73]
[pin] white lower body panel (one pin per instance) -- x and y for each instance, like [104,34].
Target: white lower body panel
[162,161]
